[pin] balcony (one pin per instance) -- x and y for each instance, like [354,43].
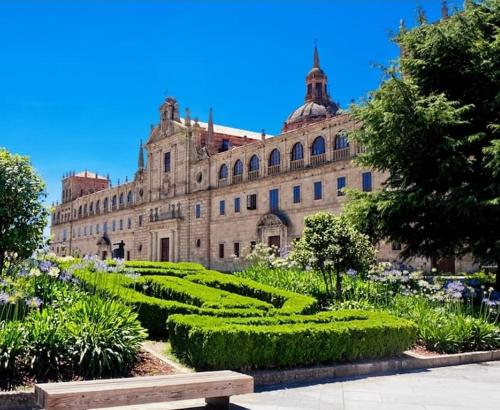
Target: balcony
[165,216]
[273,169]
[237,179]
[297,164]
[253,175]
[341,154]
[223,182]
[318,159]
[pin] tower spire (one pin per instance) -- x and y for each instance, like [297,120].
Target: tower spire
[444,9]
[210,129]
[140,162]
[316,56]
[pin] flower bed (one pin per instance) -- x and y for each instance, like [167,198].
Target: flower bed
[220,321]
[51,329]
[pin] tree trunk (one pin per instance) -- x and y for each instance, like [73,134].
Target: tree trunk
[339,285]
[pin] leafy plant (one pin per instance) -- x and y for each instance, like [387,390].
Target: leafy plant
[331,246]
[105,337]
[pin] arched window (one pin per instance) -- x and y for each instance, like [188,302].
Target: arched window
[223,171]
[274,158]
[121,199]
[91,207]
[85,208]
[318,146]
[80,210]
[341,141]
[97,206]
[238,168]
[130,197]
[113,201]
[105,204]
[254,163]
[297,152]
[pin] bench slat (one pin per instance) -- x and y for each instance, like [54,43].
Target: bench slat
[141,390]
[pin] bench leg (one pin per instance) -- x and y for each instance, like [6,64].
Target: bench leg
[218,403]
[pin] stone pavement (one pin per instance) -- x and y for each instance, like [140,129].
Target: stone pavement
[473,386]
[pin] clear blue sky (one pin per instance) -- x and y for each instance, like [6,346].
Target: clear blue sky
[81,82]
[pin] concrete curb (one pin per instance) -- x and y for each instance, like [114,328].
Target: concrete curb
[410,361]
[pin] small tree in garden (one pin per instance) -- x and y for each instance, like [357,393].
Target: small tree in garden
[22,214]
[331,246]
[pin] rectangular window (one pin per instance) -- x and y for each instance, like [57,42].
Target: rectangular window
[97,229]
[221,251]
[237,205]
[140,220]
[121,224]
[340,186]
[274,200]
[367,181]
[296,194]
[252,201]
[318,190]
[197,211]
[114,226]
[166,161]
[129,223]
[105,227]
[252,245]
[237,249]
[222,207]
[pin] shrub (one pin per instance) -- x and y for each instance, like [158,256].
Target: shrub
[105,337]
[243,343]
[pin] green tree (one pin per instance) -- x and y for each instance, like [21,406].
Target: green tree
[22,214]
[433,127]
[330,245]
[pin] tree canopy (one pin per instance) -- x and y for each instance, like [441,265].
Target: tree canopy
[433,127]
[22,215]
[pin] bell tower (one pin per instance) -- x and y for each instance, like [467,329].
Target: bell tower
[316,83]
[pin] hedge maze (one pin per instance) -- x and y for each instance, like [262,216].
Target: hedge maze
[219,321]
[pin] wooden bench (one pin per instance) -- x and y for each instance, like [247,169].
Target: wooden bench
[214,387]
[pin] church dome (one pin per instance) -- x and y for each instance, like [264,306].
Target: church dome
[311,111]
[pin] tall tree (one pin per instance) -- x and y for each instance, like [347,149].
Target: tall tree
[22,214]
[433,126]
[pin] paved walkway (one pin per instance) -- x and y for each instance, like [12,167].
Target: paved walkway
[473,386]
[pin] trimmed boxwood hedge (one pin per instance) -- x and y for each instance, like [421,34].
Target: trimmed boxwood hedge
[186,289]
[244,343]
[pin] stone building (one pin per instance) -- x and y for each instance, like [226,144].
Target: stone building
[208,193]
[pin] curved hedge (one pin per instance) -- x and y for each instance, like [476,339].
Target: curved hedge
[243,343]
[164,289]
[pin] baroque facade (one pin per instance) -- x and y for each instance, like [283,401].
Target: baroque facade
[208,193]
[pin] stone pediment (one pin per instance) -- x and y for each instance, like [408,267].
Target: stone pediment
[272,220]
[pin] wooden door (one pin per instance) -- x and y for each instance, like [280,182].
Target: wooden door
[276,242]
[165,250]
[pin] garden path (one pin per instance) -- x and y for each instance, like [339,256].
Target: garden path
[473,386]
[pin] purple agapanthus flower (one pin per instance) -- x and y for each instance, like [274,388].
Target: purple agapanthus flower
[44,266]
[490,303]
[4,298]
[34,302]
